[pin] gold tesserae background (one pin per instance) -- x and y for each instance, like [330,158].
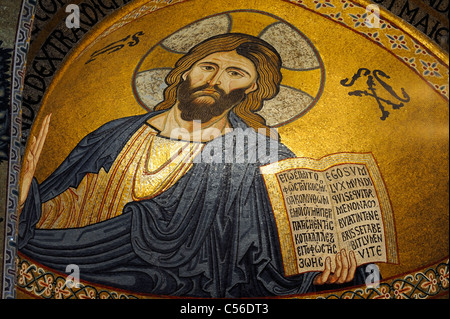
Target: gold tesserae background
[410,145]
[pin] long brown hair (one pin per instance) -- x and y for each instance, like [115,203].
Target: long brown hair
[265,58]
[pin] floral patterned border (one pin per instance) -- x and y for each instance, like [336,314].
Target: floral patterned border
[40,282]
[419,57]
[424,284]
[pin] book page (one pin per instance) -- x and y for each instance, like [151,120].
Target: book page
[323,205]
[310,213]
[358,212]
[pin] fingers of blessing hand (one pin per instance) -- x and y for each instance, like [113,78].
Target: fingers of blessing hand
[323,277]
[352,268]
[337,272]
[344,272]
[41,137]
[32,147]
[37,143]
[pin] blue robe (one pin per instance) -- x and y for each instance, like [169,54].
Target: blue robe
[212,234]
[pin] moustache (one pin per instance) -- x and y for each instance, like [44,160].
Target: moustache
[193,108]
[208,90]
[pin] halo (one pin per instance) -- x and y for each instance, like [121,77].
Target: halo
[298,54]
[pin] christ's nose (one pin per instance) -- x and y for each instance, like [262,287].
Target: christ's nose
[215,78]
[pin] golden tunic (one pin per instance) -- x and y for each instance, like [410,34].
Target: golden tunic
[147,166]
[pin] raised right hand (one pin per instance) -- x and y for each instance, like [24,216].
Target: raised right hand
[30,163]
[345,269]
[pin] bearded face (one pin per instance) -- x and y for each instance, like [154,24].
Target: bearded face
[204,103]
[214,85]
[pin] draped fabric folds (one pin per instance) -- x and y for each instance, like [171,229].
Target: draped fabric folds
[212,234]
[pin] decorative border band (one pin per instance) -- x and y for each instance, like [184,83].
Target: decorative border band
[37,281]
[427,283]
[393,34]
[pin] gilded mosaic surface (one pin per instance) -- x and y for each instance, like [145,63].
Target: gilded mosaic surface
[361,88]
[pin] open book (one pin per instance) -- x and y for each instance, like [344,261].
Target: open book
[322,206]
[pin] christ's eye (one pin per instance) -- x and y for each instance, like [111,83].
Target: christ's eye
[207,68]
[235,74]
